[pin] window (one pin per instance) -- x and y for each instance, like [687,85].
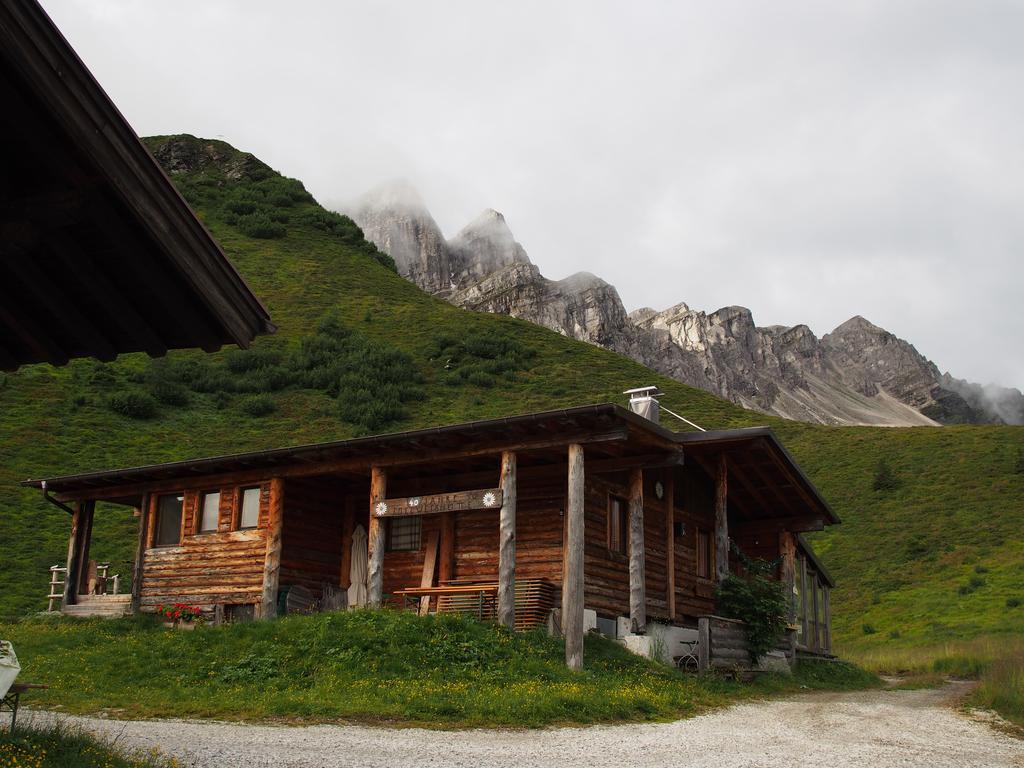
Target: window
[618,518]
[703,554]
[210,512]
[168,521]
[404,534]
[250,516]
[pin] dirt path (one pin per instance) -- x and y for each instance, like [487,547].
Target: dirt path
[872,728]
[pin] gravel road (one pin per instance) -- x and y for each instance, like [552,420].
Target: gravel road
[836,730]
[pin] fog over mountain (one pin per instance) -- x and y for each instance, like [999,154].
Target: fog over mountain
[810,161]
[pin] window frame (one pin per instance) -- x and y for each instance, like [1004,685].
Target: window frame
[180,497]
[623,526]
[390,542]
[241,507]
[201,512]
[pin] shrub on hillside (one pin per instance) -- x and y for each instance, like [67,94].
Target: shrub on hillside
[261,226]
[169,392]
[479,357]
[885,478]
[257,405]
[1018,465]
[1013,602]
[135,405]
[867,629]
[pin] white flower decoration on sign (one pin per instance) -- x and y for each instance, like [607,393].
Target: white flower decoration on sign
[489,499]
[381,509]
[414,502]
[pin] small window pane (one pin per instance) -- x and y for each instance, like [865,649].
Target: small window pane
[404,534]
[168,521]
[250,508]
[211,512]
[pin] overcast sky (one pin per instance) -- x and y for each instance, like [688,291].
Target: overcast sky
[810,161]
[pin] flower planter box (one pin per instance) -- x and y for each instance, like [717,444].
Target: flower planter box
[189,625]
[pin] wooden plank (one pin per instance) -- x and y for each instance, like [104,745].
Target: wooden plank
[429,570]
[572,583]
[721,518]
[703,643]
[637,563]
[507,543]
[375,567]
[670,542]
[272,561]
[435,504]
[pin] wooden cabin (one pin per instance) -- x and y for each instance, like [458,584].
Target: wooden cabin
[595,512]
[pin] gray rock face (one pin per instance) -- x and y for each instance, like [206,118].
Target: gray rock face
[394,218]
[857,374]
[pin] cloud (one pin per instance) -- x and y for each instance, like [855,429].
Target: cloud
[811,161]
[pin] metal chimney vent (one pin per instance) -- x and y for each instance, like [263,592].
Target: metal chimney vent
[644,401]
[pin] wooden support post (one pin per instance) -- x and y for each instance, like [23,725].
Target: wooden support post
[787,548]
[272,562]
[722,519]
[803,612]
[507,543]
[84,544]
[703,644]
[670,543]
[446,565]
[827,645]
[71,576]
[572,580]
[375,567]
[140,554]
[637,576]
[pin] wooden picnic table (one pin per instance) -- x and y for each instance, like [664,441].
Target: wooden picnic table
[12,699]
[486,594]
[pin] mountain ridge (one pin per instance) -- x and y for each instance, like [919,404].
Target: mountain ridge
[859,373]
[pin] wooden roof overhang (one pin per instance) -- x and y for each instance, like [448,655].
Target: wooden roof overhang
[765,484]
[99,253]
[614,439]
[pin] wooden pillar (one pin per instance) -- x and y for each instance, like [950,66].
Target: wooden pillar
[802,608]
[71,575]
[637,576]
[670,543]
[84,543]
[787,548]
[272,562]
[446,565]
[703,644]
[572,579]
[140,554]
[507,543]
[375,567]
[722,519]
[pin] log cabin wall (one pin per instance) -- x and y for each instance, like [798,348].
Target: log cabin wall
[314,536]
[695,495]
[655,547]
[605,573]
[206,569]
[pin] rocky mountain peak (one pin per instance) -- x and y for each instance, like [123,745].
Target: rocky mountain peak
[484,246]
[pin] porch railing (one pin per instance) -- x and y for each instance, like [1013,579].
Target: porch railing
[105,584]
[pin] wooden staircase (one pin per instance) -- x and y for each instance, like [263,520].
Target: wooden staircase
[104,606]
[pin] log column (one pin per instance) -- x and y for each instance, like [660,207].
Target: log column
[670,543]
[74,555]
[572,579]
[721,519]
[375,564]
[507,543]
[787,548]
[637,586]
[272,561]
[140,554]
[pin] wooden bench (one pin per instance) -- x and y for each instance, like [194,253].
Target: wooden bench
[534,599]
[12,699]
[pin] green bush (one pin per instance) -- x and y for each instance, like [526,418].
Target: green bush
[169,393]
[758,600]
[135,405]
[867,629]
[257,405]
[259,225]
[885,478]
[1013,602]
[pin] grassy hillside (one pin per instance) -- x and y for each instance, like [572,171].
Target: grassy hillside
[935,559]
